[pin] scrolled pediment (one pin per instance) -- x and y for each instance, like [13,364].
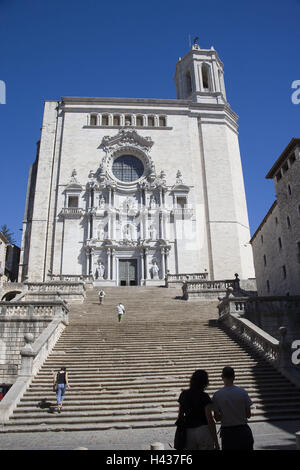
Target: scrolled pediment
[126,138]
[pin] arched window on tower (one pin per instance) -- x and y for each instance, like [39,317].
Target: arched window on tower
[105,120]
[151,121]
[162,121]
[93,119]
[189,83]
[116,120]
[206,81]
[128,120]
[139,121]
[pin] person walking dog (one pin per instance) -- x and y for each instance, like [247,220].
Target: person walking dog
[61,382]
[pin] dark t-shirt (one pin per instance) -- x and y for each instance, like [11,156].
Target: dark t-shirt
[193,405]
[61,377]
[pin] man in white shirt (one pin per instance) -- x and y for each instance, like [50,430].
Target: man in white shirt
[120,311]
[232,407]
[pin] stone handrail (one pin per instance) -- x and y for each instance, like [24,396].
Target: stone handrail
[179,279]
[27,308]
[206,289]
[253,335]
[212,285]
[33,356]
[54,286]
[71,277]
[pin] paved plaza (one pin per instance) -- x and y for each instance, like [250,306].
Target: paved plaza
[267,436]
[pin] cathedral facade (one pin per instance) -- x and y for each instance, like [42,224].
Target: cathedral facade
[127,190]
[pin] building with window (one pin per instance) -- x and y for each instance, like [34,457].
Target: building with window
[128,189]
[3,249]
[276,242]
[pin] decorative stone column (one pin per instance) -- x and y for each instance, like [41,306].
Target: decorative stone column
[146,264]
[166,259]
[89,261]
[108,276]
[113,264]
[142,266]
[163,272]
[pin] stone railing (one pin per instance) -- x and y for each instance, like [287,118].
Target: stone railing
[206,290]
[33,355]
[38,310]
[232,313]
[71,277]
[217,289]
[254,336]
[70,291]
[177,280]
[72,212]
[185,213]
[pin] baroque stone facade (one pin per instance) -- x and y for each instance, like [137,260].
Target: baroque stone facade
[125,190]
[276,242]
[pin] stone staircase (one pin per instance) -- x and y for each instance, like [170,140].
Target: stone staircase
[130,374]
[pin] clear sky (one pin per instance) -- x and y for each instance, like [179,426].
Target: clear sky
[55,48]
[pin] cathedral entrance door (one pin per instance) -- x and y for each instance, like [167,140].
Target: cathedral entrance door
[128,272]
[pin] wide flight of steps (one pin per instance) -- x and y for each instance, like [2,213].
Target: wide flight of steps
[130,374]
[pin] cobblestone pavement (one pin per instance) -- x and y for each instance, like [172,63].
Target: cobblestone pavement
[267,436]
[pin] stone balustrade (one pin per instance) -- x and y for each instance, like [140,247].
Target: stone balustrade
[69,291]
[206,290]
[253,335]
[33,355]
[177,280]
[72,212]
[232,315]
[39,310]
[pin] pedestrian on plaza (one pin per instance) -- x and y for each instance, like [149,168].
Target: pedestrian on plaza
[195,415]
[61,381]
[232,407]
[120,311]
[101,295]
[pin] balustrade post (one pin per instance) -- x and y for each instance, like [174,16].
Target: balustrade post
[27,356]
[282,344]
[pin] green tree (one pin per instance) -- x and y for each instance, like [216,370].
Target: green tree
[8,235]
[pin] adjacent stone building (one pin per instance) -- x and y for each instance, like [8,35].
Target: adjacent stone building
[128,189]
[3,247]
[276,242]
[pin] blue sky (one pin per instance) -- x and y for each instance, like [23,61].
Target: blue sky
[56,48]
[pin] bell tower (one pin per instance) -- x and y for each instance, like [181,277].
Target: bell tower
[199,76]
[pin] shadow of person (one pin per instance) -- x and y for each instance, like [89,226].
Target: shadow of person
[44,404]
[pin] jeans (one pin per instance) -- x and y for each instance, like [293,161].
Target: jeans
[60,394]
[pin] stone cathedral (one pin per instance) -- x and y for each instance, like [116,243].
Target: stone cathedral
[126,190]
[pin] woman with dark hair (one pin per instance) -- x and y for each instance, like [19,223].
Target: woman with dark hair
[61,381]
[195,410]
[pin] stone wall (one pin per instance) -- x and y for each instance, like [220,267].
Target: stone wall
[16,320]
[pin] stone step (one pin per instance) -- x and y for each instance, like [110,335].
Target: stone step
[129,375]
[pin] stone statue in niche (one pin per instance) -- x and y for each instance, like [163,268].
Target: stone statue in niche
[129,204]
[100,270]
[100,232]
[101,202]
[153,202]
[152,232]
[155,270]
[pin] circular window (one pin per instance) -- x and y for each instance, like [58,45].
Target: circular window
[127,168]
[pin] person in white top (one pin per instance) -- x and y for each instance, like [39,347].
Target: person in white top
[101,295]
[232,407]
[120,311]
